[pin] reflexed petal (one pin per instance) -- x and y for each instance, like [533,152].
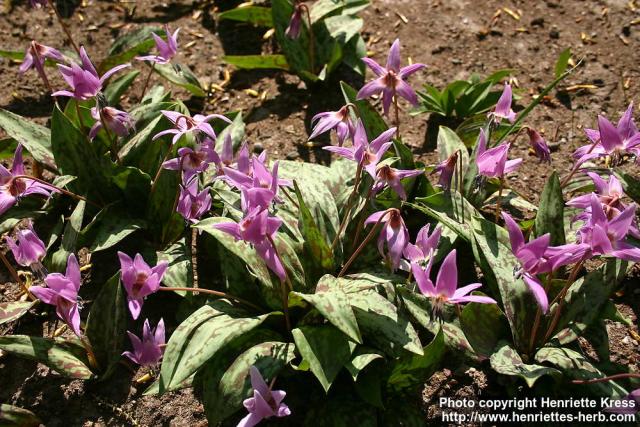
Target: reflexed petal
[404,90]
[609,137]
[378,69]
[538,291]
[393,60]
[372,88]
[410,69]
[447,280]
[422,279]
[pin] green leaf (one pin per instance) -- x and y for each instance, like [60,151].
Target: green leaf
[256,15]
[362,357]
[346,26]
[449,208]
[550,217]
[181,75]
[237,131]
[410,372]
[14,416]
[252,62]
[322,8]
[373,123]
[10,311]
[119,86]
[199,337]
[630,184]
[130,45]
[326,349]
[34,137]
[107,325]
[507,361]
[179,271]
[225,396]
[65,357]
[492,250]
[69,238]
[575,366]
[110,226]
[562,62]
[332,302]
[448,143]
[483,325]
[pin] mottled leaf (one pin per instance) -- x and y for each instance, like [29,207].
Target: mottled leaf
[69,238]
[483,325]
[506,361]
[18,417]
[13,310]
[119,86]
[362,357]
[550,217]
[182,76]
[34,137]
[179,273]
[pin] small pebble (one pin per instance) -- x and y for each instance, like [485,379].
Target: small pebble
[292,155]
[554,34]
[258,148]
[537,22]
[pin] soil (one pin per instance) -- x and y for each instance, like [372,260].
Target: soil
[454,38]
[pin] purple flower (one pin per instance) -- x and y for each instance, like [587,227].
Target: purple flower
[62,291]
[139,280]
[388,176]
[84,79]
[390,80]
[258,228]
[607,237]
[265,403]
[12,188]
[35,56]
[295,23]
[37,4]
[394,233]
[29,249]
[503,106]
[185,124]
[116,121]
[610,140]
[166,50]
[446,291]
[366,154]
[423,250]
[339,120]
[539,146]
[191,203]
[446,170]
[493,162]
[537,257]
[194,160]
[149,350]
[630,404]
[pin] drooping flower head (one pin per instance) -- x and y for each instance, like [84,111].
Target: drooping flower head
[260,188]
[445,290]
[139,280]
[116,121]
[537,257]
[394,234]
[166,49]
[13,188]
[446,169]
[539,146]
[183,124]
[265,403]
[259,229]
[62,291]
[493,162]
[630,404]
[28,250]
[149,350]
[390,80]
[191,203]
[35,56]
[194,160]
[295,23]
[83,78]
[503,107]
[388,176]
[422,251]
[339,120]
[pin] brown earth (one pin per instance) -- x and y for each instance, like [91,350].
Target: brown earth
[455,38]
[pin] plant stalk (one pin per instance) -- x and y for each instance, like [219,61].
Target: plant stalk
[560,298]
[61,190]
[499,201]
[536,322]
[312,40]
[211,292]
[397,111]
[362,245]
[146,82]
[64,26]
[348,208]
[283,284]
[609,378]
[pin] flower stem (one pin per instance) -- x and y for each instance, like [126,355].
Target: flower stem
[348,208]
[211,292]
[283,285]
[113,139]
[83,128]
[61,190]
[397,111]
[64,26]
[576,166]
[146,82]
[312,40]
[499,201]
[13,273]
[362,245]
[609,378]
[155,178]
[536,322]
[560,298]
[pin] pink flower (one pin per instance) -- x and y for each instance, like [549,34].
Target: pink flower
[388,176]
[265,403]
[13,188]
[339,120]
[29,249]
[390,80]
[503,107]
[84,79]
[116,121]
[139,280]
[394,233]
[35,56]
[539,146]
[295,23]
[493,162]
[191,203]
[166,50]
[62,291]
[184,124]
[149,350]
[194,160]
[446,291]
[446,170]
[423,250]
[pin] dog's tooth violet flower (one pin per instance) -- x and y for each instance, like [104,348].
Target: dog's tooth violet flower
[539,146]
[394,233]
[148,350]
[166,49]
[390,79]
[265,403]
[503,107]
[139,280]
[62,291]
[117,121]
[28,249]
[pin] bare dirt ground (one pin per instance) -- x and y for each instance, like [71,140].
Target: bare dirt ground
[455,38]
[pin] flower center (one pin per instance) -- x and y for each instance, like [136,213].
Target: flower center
[391,79]
[385,173]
